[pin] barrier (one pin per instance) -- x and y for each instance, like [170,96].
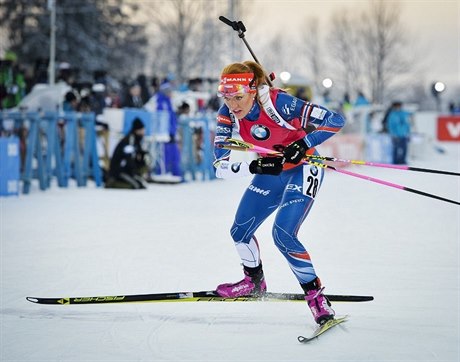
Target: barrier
[195,143]
[197,155]
[348,146]
[53,148]
[63,146]
[34,147]
[90,162]
[53,151]
[379,148]
[9,166]
[132,113]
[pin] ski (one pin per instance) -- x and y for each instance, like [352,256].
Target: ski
[323,328]
[203,296]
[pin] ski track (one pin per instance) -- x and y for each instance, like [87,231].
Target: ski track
[363,238]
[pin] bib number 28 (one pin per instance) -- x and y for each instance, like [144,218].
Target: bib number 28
[311,181]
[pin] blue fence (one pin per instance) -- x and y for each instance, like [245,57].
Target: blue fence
[63,146]
[195,140]
[379,148]
[9,166]
[197,147]
[54,145]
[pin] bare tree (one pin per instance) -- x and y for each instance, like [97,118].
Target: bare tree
[187,36]
[345,50]
[383,39]
[311,44]
[188,39]
[272,60]
[369,50]
[175,23]
[90,35]
[213,36]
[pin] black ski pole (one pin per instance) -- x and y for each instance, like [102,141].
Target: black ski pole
[240,28]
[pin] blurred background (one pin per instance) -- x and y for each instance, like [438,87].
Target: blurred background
[359,58]
[382,48]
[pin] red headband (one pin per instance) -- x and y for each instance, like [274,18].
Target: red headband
[231,84]
[240,78]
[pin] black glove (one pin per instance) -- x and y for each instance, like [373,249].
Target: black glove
[267,165]
[295,152]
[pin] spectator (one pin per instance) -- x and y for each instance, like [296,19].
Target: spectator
[94,100]
[302,93]
[385,118]
[154,85]
[454,109]
[164,103]
[144,92]
[361,100]
[168,168]
[12,82]
[214,103]
[98,94]
[41,71]
[183,109]
[70,102]
[399,128]
[129,160]
[86,100]
[183,113]
[133,98]
[346,104]
[66,74]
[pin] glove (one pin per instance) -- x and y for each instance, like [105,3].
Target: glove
[267,165]
[295,152]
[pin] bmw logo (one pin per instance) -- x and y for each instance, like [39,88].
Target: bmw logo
[260,132]
[314,170]
[236,167]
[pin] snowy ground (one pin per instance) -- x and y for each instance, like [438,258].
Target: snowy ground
[364,238]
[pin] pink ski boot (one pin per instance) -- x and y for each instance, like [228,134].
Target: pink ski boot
[253,285]
[319,305]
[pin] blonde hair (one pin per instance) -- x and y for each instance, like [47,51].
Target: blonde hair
[247,67]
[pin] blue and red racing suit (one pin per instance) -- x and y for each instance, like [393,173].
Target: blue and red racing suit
[291,193]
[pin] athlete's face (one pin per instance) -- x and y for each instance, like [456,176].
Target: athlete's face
[240,104]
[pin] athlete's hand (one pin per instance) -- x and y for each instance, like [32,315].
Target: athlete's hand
[295,152]
[267,165]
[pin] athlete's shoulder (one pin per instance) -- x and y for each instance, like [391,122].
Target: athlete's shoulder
[288,105]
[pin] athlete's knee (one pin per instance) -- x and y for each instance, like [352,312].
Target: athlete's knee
[283,238]
[241,233]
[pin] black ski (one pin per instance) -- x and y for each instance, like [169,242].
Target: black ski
[203,296]
[323,328]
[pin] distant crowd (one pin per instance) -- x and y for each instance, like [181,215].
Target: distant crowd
[130,165]
[16,81]
[155,93]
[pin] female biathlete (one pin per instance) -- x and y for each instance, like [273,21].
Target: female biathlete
[273,119]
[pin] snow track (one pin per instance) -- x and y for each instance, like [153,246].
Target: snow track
[363,239]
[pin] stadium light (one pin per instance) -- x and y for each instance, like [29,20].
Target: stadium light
[439,87]
[285,77]
[327,83]
[436,89]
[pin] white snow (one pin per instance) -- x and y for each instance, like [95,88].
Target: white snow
[364,238]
